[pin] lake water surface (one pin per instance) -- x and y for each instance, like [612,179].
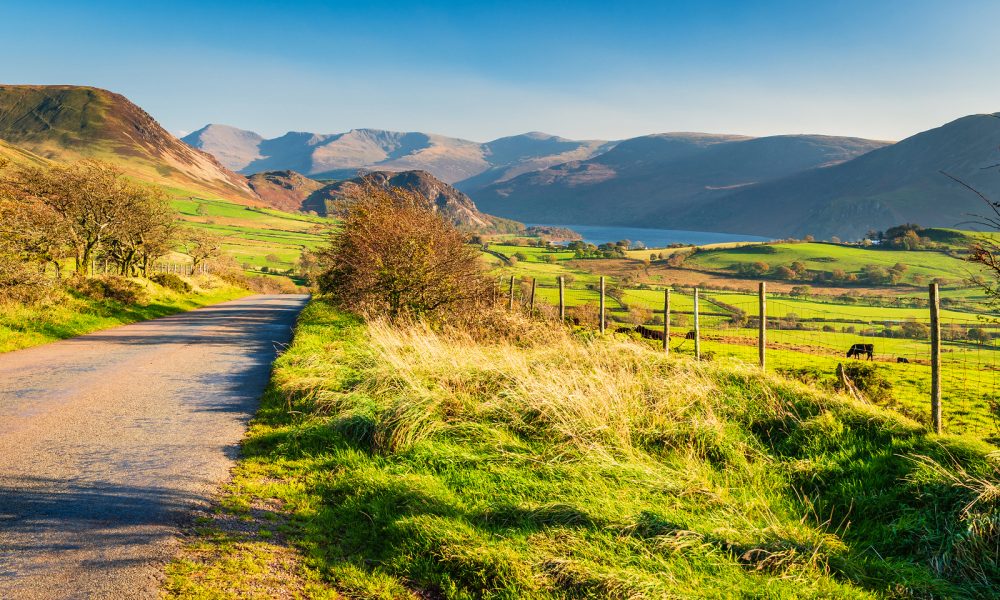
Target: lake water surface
[655,238]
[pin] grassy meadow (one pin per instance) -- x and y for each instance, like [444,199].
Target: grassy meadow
[809,335]
[399,462]
[255,237]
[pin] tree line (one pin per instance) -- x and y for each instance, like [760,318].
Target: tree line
[86,213]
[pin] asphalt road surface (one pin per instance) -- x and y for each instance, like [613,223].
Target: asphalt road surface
[109,442]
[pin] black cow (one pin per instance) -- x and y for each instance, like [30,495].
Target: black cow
[646,332]
[860,350]
[689,335]
[649,333]
[902,359]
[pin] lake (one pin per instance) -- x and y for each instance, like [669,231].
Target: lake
[654,238]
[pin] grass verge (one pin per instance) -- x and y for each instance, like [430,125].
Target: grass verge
[75,314]
[397,462]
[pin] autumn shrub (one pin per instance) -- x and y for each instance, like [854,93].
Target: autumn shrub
[109,287]
[24,283]
[395,257]
[172,282]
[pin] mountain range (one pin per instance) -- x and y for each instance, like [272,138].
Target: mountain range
[786,185]
[901,183]
[43,124]
[342,155]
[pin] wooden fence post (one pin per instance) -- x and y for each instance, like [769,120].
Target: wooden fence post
[666,321]
[935,359]
[697,330]
[511,307]
[762,326]
[602,304]
[562,300]
[531,304]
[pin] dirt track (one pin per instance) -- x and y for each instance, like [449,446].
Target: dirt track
[109,441]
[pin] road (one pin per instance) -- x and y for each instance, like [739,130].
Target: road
[109,442]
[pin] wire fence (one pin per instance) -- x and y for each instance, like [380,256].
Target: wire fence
[884,350]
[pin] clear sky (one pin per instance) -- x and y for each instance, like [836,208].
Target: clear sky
[481,70]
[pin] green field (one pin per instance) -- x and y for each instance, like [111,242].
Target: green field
[253,234]
[924,265]
[810,336]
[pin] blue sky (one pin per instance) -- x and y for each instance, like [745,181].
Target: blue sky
[482,70]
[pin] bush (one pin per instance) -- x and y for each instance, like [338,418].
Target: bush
[915,330]
[24,283]
[109,287]
[396,257]
[272,285]
[172,282]
[870,380]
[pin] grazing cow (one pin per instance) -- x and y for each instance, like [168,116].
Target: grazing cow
[646,332]
[650,334]
[902,359]
[860,350]
[689,335]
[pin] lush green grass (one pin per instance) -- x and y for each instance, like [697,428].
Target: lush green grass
[400,463]
[253,234]
[971,386]
[826,257]
[23,327]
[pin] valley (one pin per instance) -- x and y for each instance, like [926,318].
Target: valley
[433,427]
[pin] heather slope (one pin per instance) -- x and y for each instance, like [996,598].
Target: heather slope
[70,122]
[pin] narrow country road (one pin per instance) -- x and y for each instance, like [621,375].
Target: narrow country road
[109,441]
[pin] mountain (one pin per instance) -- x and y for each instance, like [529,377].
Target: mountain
[443,198]
[643,181]
[284,190]
[336,156]
[888,186]
[62,122]
[231,146]
[20,156]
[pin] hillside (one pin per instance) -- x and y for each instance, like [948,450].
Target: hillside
[70,122]
[20,156]
[342,155]
[645,180]
[284,190]
[445,199]
[892,185]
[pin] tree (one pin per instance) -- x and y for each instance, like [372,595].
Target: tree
[915,330]
[395,257]
[89,197]
[201,245]
[783,272]
[136,242]
[978,335]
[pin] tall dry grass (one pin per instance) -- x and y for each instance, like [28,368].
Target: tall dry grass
[607,397]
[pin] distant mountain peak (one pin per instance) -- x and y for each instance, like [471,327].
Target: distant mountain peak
[340,155]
